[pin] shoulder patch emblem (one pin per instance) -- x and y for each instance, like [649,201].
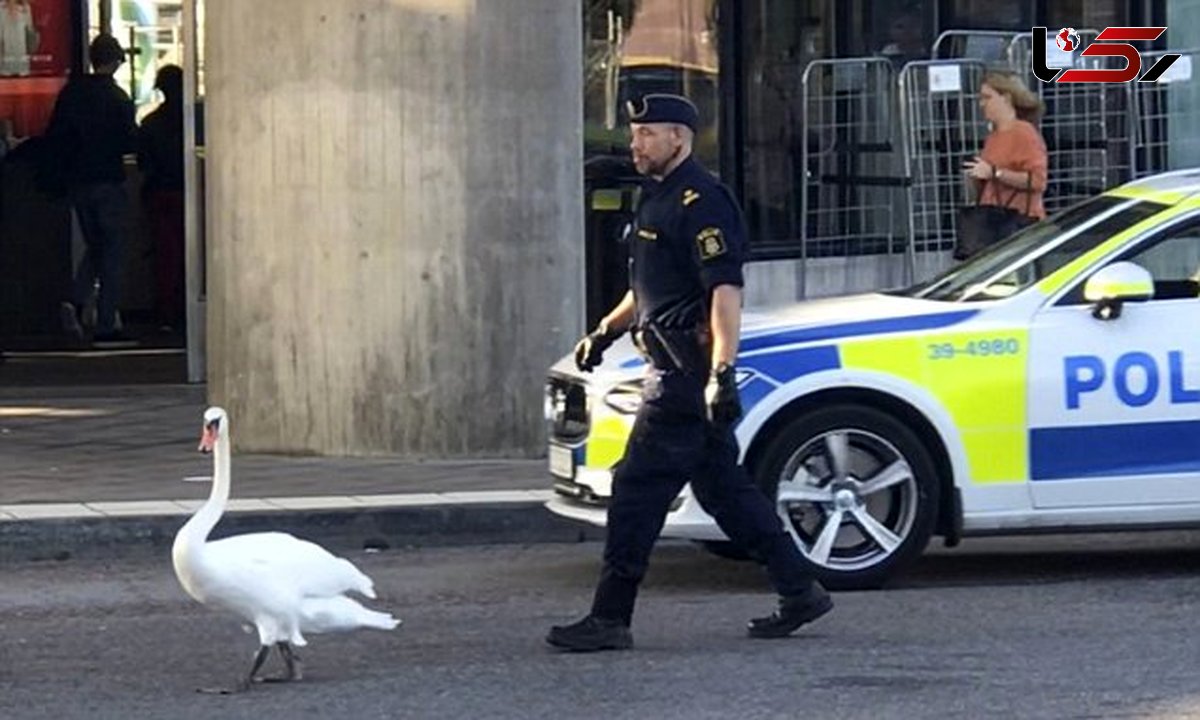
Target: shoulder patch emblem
[711,242]
[690,196]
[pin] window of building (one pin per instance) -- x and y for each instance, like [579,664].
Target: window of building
[635,47]
[986,15]
[36,42]
[899,30]
[152,33]
[820,170]
[780,38]
[1085,14]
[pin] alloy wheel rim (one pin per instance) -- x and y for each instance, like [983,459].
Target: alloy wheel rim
[848,498]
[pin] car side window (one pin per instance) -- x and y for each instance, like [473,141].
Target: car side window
[1172,259]
[1173,262]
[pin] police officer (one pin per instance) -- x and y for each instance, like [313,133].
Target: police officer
[684,310]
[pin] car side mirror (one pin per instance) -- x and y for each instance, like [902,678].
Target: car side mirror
[1113,285]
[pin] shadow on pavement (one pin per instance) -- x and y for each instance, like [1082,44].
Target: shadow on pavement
[139,366]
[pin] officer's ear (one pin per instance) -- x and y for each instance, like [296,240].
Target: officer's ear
[683,133]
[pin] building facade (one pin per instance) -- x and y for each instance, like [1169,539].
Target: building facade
[402,211]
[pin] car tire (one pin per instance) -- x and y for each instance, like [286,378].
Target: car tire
[882,490]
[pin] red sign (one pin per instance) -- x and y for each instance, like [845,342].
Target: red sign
[35,58]
[1111,42]
[35,38]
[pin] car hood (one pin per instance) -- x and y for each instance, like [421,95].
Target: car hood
[808,321]
[850,314]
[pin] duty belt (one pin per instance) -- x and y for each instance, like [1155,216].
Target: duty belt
[686,350]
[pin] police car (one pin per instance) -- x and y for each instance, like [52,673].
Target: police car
[1051,383]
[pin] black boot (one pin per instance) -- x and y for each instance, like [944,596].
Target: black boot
[591,634]
[793,612]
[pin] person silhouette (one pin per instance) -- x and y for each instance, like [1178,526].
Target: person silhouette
[160,158]
[92,128]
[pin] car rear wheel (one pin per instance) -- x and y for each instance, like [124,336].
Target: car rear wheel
[855,488]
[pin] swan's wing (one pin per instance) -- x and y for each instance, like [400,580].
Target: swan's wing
[323,615]
[274,557]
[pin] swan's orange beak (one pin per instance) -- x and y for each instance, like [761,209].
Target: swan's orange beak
[208,438]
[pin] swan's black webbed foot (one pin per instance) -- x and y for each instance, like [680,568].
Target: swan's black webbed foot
[295,670]
[249,679]
[290,658]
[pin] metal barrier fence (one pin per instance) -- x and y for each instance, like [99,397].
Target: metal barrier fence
[849,202]
[883,150]
[993,47]
[1165,116]
[1084,124]
[942,126]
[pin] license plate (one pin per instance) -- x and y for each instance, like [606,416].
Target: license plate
[562,462]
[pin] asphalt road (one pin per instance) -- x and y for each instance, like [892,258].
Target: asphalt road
[1081,627]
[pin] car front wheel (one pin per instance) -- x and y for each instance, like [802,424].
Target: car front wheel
[856,490]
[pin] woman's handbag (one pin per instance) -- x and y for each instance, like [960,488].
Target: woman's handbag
[981,226]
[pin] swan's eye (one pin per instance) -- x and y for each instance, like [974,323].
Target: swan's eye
[214,425]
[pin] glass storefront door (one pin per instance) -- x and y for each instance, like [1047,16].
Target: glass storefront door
[158,34]
[634,47]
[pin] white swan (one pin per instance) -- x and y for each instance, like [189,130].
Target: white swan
[281,585]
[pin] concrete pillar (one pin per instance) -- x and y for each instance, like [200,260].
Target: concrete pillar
[395,221]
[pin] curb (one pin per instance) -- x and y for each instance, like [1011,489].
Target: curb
[351,529]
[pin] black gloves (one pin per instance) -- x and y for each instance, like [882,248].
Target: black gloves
[590,350]
[721,396]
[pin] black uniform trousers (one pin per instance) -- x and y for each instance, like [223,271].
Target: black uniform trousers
[672,443]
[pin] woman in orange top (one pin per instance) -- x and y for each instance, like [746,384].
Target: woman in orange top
[1011,170]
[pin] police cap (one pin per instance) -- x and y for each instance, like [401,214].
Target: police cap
[663,108]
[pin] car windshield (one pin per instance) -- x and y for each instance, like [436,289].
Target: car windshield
[1036,251]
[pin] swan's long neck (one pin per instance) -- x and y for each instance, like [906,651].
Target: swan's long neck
[202,523]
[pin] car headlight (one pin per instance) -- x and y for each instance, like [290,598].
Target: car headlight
[565,408]
[552,402]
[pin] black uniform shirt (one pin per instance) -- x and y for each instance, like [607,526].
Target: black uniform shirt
[160,148]
[93,123]
[687,238]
